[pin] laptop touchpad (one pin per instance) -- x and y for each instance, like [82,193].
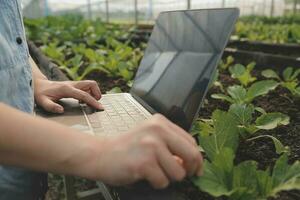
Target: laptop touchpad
[72,116]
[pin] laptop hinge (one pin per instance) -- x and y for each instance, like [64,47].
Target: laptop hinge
[144,104]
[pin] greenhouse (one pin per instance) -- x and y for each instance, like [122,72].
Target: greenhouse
[150,99]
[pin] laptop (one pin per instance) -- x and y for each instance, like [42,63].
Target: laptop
[173,77]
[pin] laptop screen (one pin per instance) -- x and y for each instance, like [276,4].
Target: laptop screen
[181,56]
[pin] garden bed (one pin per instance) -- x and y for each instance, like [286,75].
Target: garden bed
[263,60]
[262,151]
[289,50]
[263,115]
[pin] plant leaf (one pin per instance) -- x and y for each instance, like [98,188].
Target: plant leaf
[260,110]
[291,86]
[244,182]
[287,74]
[224,135]
[295,74]
[217,176]
[269,73]
[205,128]
[242,113]
[214,78]
[297,91]
[284,176]
[260,88]
[222,97]
[271,120]
[237,70]
[114,90]
[237,93]
[279,147]
[242,73]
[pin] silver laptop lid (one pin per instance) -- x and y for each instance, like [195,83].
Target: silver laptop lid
[182,54]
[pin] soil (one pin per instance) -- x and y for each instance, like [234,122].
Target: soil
[107,83]
[291,50]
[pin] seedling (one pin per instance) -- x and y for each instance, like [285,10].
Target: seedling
[215,82]
[242,73]
[248,126]
[289,79]
[114,90]
[218,133]
[243,113]
[55,52]
[240,95]
[225,65]
[72,66]
[245,181]
[219,139]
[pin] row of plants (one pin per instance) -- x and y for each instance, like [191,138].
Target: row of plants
[286,19]
[271,33]
[279,29]
[221,134]
[80,47]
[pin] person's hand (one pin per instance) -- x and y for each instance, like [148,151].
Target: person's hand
[157,151]
[46,93]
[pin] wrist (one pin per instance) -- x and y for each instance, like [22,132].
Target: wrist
[40,77]
[87,161]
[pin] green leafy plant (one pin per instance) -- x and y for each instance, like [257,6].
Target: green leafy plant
[55,52]
[219,139]
[244,115]
[242,73]
[257,30]
[114,90]
[215,82]
[289,79]
[245,181]
[100,47]
[218,133]
[224,65]
[72,67]
[238,94]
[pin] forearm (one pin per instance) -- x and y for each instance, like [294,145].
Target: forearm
[36,72]
[39,144]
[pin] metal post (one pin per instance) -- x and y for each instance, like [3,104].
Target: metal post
[136,15]
[272,8]
[107,11]
[188,4]
[295,7]
[223,3]
[46,8]
[150,9]
[89,9]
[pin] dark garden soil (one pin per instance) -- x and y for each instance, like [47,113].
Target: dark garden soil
[291,50]
[107,83]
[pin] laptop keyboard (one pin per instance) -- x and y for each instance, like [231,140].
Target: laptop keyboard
[120,115]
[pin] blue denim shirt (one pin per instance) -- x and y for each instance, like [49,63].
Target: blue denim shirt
[16,91]
[15,71]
